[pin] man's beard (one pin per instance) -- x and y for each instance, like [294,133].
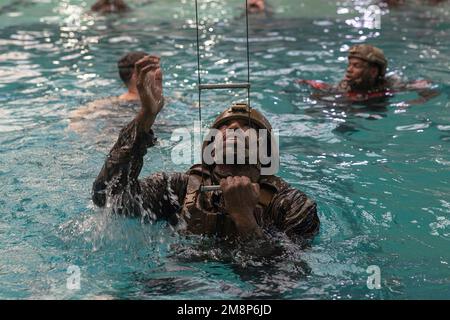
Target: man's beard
[231,156]
[237,167]
[222,171]
[363,83]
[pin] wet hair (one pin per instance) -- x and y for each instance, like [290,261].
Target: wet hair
[110,6]
[126,65]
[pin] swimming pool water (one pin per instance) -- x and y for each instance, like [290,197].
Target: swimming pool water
[380,176]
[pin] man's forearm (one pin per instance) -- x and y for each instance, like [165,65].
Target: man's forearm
[145,120]
[124,162]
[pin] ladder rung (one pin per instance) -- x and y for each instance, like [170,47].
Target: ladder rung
[225,86]
[209,188]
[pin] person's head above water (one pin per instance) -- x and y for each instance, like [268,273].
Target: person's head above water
[128,74]
[110,6]
[239,119]
[366,67]
[256,6]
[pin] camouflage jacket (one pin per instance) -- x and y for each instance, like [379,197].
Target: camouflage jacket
[162,195]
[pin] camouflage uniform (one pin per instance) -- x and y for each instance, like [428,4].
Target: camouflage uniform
[175,197]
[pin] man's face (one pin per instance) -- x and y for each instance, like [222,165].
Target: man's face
[360,74]
[232,142]
[227,169]
[234,125]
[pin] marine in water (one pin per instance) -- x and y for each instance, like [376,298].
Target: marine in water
[365,79]
[248,205]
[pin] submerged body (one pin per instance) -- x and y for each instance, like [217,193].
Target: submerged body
[114,111]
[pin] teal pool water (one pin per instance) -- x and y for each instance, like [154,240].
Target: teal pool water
[381,183]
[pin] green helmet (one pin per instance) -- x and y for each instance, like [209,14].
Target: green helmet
[370,54]
[244,112]
[241,111]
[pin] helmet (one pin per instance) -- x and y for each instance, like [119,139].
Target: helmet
[370,54]
[244,112]
[241,111]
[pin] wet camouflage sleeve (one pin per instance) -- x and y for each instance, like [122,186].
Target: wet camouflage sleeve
[295,214]
[117,184]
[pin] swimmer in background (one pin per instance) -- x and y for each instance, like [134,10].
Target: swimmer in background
[128,101]
[258,8]
[128,75]
[365,80]
[110,6]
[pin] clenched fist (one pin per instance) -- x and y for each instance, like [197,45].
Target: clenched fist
[241,197]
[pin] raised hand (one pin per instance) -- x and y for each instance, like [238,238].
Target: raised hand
[149,85]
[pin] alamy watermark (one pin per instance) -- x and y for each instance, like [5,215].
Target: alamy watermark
[371,18]
[231,146]
[73,281]
[374,279]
